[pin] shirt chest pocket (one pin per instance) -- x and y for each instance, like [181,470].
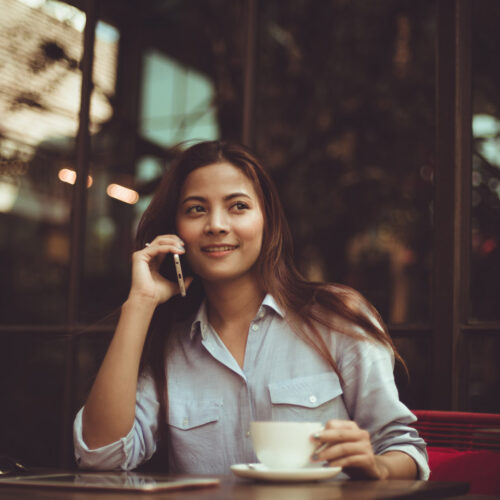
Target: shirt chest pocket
[314,398]
[195,424]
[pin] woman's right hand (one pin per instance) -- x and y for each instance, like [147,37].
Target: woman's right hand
[147,282]
[110,409]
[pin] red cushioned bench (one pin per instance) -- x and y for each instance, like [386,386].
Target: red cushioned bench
[463,446]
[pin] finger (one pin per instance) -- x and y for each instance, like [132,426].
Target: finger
[342,435]
[341,424]
[322,447]
[167,239]
[153,256]
[335,425]
[156,252]
[352,463]
[343,450]
[330,451]
[165,247]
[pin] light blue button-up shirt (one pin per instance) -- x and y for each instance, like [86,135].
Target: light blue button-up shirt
[212,400]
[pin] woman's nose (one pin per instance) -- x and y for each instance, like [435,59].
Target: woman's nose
[217,223]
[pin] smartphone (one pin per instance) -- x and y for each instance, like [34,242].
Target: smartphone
[178,272]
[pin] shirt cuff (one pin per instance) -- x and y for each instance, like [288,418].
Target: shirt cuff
[113,456]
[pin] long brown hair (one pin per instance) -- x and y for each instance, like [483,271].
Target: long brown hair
[308,305]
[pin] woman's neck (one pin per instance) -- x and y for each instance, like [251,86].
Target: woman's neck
[233,302]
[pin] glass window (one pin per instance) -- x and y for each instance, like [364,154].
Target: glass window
[40,81]
[32,375]
[104,235]
[481,369]
[90,349]
[178,103]
[345,117]
[185,91]
[485,245]
[414,387]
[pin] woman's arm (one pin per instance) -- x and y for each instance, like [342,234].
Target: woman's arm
[110,408]
[378,440]
[345,445]
[397,464]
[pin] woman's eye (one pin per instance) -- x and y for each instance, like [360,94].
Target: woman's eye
[239,205]
[195,209]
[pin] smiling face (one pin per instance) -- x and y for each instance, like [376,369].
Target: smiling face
[220,220]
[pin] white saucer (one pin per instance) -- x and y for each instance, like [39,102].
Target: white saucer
[260,471]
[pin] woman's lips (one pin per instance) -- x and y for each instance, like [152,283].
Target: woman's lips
[219,248]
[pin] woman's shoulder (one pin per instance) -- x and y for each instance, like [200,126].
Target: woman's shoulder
[342,301]
[350,296]
[347,317]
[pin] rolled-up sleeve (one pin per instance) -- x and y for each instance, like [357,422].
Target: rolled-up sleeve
[372,400]
[131,450]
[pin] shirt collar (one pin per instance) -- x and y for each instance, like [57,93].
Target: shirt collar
[200,323]
[271,303]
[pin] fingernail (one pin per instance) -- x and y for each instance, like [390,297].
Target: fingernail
[316,435]
[320,448]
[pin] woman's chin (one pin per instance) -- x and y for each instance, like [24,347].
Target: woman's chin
[228,277]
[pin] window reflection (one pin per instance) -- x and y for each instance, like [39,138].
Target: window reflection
[485,195]
[350,138]
[40,79]
[414,389]
[178,103]
[168,92]
[31,383]
[107,237]
[483,376]
[103,75]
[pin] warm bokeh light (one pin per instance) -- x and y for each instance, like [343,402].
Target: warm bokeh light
[69,176]
[122,193]
[8,196]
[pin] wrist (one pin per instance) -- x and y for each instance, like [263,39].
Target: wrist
[140,302]
[382,468]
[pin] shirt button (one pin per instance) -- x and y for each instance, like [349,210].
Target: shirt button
[255,327]
[247,434]
[313,399]
[185,422]
[261,314]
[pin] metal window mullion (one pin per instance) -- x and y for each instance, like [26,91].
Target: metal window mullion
[78,221]
[443,351]
[249,73]
[451,202]
[463,183]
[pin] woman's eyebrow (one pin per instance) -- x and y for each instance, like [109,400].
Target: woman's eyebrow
[226,198]
[236,195]
[193,198]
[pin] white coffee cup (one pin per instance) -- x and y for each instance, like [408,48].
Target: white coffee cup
[284,445]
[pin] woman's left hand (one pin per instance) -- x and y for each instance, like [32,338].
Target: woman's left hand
[343,444]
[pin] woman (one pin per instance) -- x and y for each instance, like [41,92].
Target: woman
[252,340]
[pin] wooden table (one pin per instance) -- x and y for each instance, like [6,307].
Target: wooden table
[241,489]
